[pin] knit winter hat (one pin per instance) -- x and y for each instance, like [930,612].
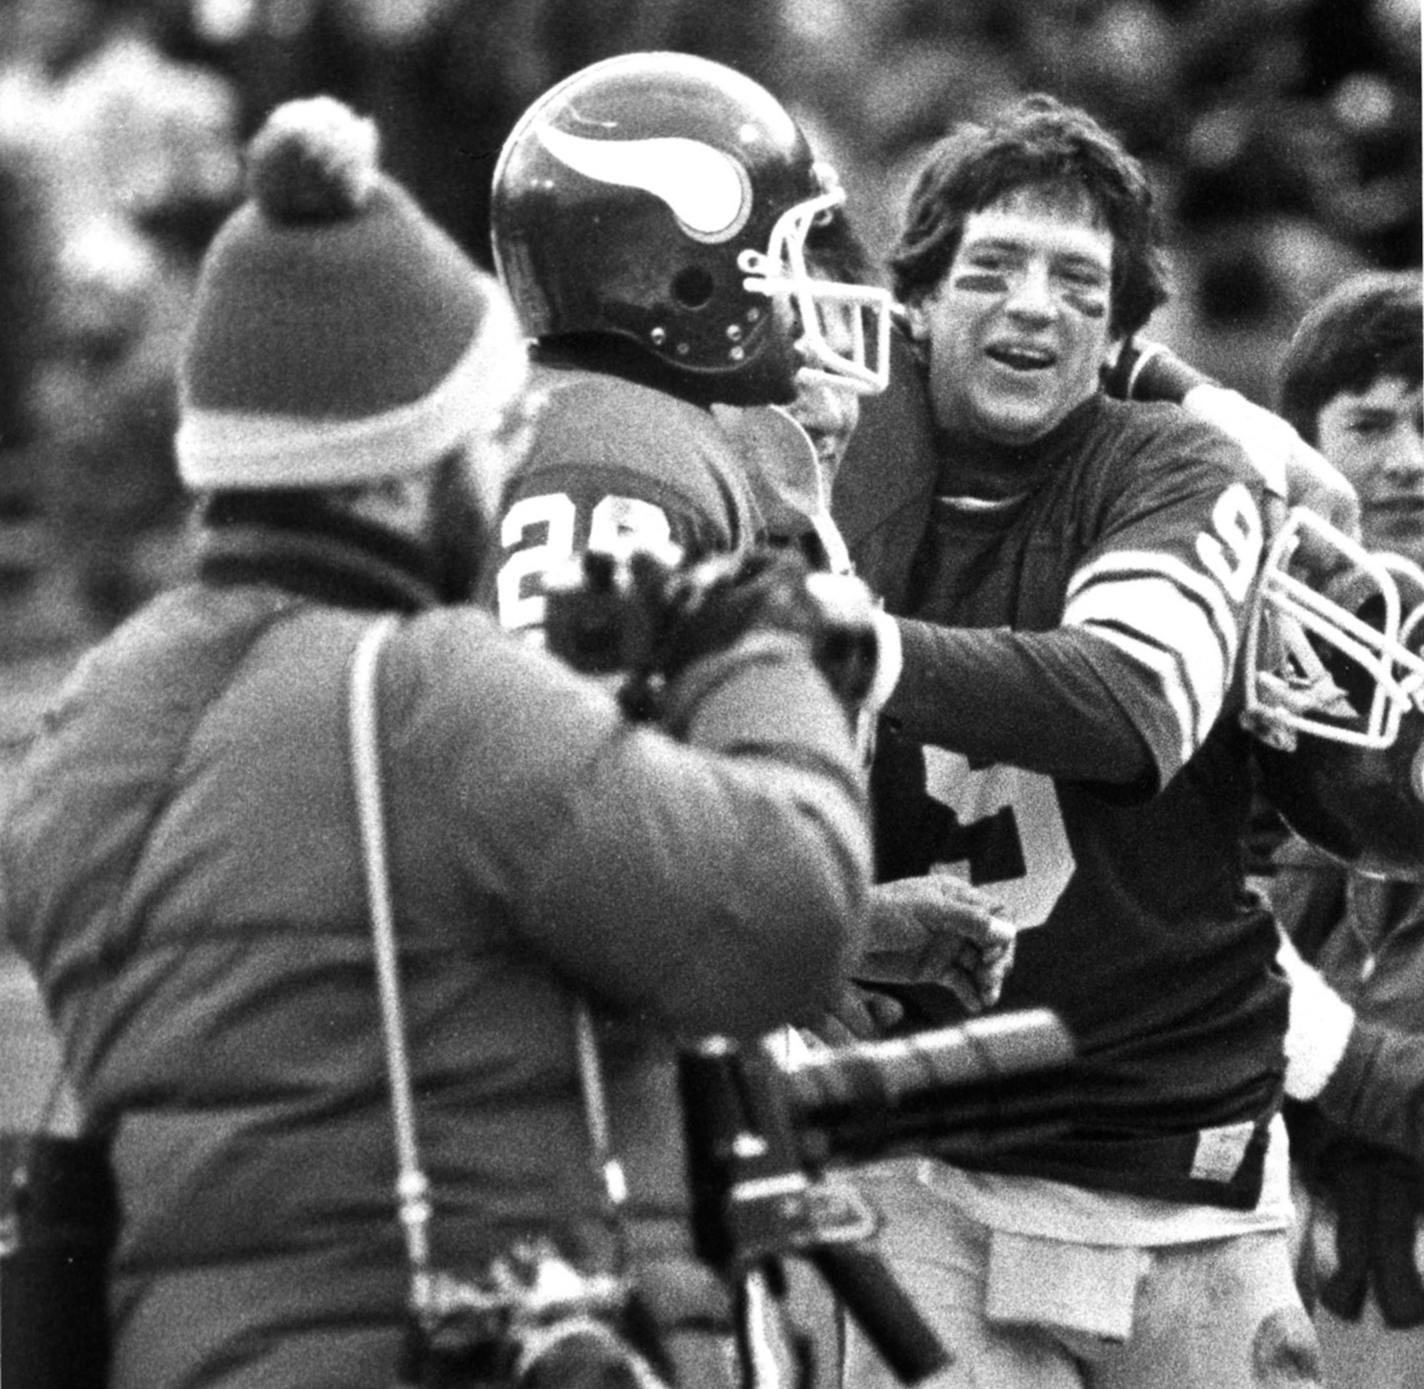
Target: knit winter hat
[338,335]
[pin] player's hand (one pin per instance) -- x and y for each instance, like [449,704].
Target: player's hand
[712,605]
[860,1014]
[1295,474]
[938,929]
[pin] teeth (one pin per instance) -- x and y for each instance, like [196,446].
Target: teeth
[1021,357]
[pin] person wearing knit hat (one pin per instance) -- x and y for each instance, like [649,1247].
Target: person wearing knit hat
[182,861]
[340,337]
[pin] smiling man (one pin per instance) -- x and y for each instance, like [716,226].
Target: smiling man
[1065,736]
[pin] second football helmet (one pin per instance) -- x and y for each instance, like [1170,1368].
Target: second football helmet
[1335,691]
[666,199]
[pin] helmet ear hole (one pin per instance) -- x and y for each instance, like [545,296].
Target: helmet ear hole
[693,287]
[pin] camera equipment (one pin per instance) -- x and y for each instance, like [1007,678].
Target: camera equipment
[532,1319]
[761,1132]
[57,1228]
[647,616]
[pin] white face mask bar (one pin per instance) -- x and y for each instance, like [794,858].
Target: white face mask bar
[1286,612]
[845,328]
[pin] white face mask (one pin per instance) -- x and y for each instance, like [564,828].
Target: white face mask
[844,327]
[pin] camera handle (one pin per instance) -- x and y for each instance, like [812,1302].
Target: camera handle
[753,1202]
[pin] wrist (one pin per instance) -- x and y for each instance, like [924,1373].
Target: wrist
[889,659]
[1152,371]
[1319,1030]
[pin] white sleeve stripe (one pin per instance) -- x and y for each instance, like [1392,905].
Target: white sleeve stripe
[1159,612]
[1136,562]
[1167,669]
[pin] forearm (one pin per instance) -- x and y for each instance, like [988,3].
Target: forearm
[1032,700]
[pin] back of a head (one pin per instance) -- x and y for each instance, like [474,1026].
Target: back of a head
[1368,327]
[338,337]
[1037,142]
[634,201]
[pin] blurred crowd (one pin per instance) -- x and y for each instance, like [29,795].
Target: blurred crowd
[1285,135]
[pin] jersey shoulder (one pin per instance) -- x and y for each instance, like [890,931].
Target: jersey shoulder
[1154,443]
[611,464]
[597,433]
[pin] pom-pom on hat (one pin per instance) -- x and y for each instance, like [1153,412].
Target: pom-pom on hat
[338,336]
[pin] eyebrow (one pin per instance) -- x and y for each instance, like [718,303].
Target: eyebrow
[1372,414]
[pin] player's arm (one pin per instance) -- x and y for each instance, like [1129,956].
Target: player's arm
[1129,685]
[716,880]
[1293,472]
[1042,701]
[1365,1076]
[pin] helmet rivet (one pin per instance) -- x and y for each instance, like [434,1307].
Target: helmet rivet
[753,315]
[737,354]
[683,349]
[734,332]
[659,336]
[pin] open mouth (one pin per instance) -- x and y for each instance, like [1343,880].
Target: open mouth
[1018,357]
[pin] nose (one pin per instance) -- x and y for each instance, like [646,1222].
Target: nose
[1031,294]
[1404,459]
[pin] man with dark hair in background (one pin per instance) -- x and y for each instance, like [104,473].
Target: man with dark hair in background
[1350,382]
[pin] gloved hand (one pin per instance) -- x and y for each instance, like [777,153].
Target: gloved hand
[860,1014]
[651,617]
[939,929]
[709,606]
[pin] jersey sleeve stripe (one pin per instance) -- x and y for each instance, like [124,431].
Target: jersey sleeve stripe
[1158,611]
[1205,590]
[1165,668]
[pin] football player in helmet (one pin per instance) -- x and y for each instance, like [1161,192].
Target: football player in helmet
[649,218]
[665,233]
[1348,776]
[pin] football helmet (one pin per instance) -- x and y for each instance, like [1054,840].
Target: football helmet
[1335,693]
[666,199]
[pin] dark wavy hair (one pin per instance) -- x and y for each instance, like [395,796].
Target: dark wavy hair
[1038,142]
[1370,326]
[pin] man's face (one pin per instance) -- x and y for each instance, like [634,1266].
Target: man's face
[1018,328]
[826,409]
[1376,439]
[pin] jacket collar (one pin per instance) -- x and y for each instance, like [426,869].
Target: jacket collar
[307,547]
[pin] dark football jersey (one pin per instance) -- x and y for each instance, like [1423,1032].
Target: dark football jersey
[1065,738]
